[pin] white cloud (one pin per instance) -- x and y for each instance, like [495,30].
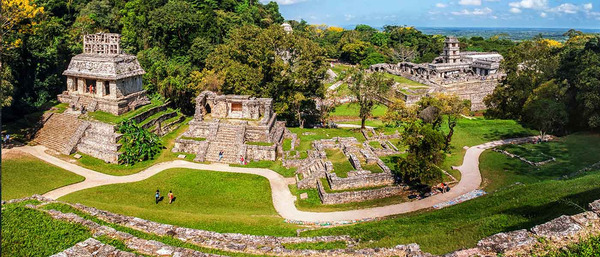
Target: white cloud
[588,6]
[349,16]
[470,2]
[440,5]
[515,10]
[568,8]
[474,12]
[543,15]
[530,4]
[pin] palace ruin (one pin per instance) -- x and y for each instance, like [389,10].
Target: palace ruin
[470,75]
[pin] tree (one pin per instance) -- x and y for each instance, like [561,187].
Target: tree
[271,63]
[366,87]
[425,152]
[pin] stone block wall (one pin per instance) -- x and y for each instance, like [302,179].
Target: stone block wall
[190,146]
[360,181]
[357,196]
[259,152]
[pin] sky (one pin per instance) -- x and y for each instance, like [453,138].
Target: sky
[446,13]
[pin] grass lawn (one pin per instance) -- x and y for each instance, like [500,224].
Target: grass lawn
[341,164]
[122,170]
[572,153]
[24,175]
[215,201]
[478,131]
[404,81]
[352,110]
[28,232]
[272,165]
[461,226]
[534,152]
[322,133]
[115,119]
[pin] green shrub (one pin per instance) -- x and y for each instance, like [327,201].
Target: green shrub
[138,144]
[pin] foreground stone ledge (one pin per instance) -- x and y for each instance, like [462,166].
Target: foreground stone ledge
[93,247]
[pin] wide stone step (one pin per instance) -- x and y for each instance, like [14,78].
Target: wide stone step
[107,156]
[102,138]
[100,144]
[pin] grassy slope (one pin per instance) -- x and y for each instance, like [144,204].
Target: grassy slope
[537,199]
[404,81]
[223,202]
[22,176]
[114,119]
[27,232]
[352,110]
[317,134]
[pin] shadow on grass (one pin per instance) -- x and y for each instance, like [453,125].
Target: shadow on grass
[567,205]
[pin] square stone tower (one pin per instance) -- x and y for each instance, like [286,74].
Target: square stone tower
[103,77]
[451,50]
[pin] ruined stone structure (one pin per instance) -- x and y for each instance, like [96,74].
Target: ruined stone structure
[470,75]
[360,184]
[103,77]
[239,126]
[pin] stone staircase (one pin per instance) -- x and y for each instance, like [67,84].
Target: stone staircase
[100,141]
[226,139]
[61,132]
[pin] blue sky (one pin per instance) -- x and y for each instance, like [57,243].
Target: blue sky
[446,13]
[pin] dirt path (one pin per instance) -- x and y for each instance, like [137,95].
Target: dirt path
[283,200]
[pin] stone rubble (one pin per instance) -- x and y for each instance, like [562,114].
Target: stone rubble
[93,247]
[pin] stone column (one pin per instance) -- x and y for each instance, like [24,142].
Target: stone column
[99,88]
[70,84]
[113,89]
[81,85]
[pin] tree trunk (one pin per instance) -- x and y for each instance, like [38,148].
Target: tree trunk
[362,123]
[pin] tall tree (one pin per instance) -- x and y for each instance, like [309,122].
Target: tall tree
[367,87]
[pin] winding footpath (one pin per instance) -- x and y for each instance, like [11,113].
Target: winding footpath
[283,200]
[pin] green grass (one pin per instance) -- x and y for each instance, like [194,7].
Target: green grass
[259,143]
[533,152]
[535,199]
[404,81]
[28,232]
[461,226]
[316,246]
[339,68]
[64,208]
[168,142]
[287,144]
[272,165]
[322,133]
[341,164]
[115,119]
[194,138]
[572,153]
[375,145]
[222,202]
[25,175]
[352,110]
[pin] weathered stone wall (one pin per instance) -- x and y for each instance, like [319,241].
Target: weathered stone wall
[128,86]
[357,196]
[100,141]
[190,146]
[259,152]
[360,181]
[154,110]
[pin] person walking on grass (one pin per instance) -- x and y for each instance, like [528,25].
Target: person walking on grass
[220,155]
[157,196]
[170,196]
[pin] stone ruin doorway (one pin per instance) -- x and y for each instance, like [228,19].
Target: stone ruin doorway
[90,86]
